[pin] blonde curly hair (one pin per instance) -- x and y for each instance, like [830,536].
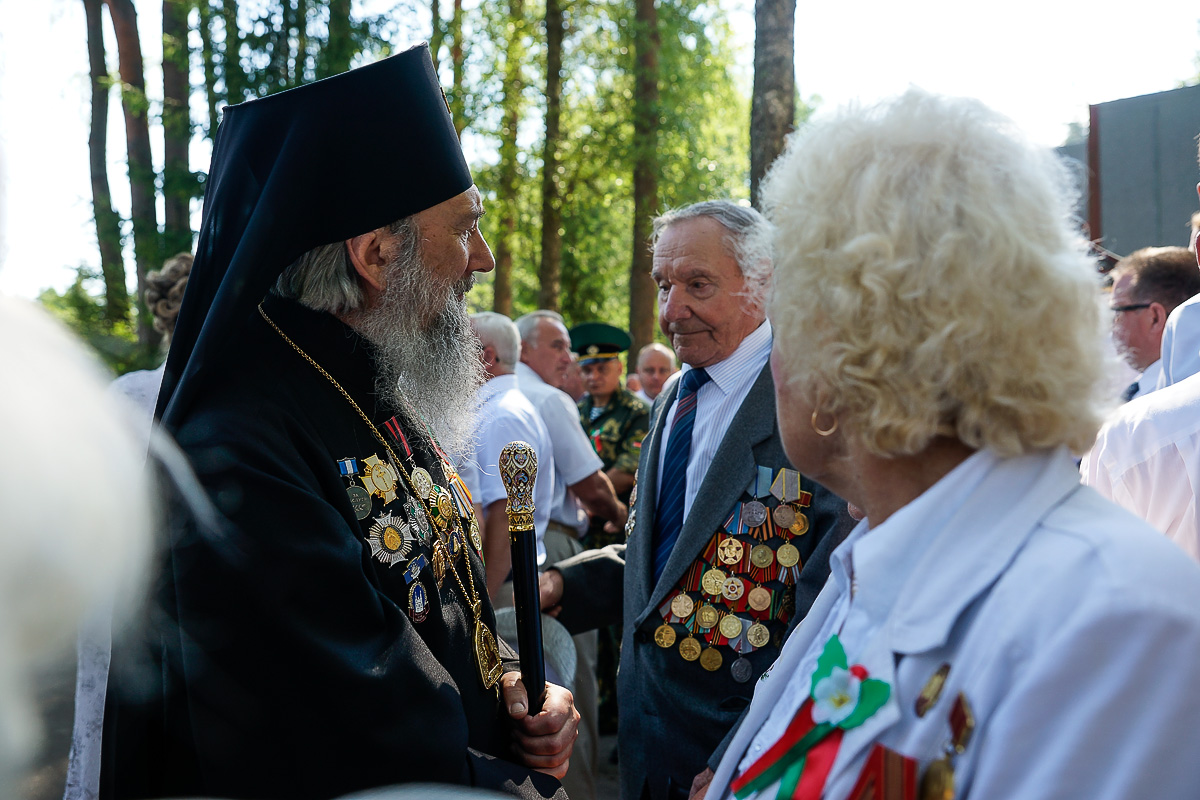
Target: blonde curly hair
[930,280]
[164,291]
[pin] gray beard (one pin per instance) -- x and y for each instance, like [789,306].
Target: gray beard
[428,362]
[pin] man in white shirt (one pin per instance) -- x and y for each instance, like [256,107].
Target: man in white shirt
[1148,284]
[655,364]
[580,487]
[728,545]
[505,415]
[1146,456]
[1147,459]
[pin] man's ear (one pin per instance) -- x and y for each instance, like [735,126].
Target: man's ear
[489,357]
[367,255]
[1158,316]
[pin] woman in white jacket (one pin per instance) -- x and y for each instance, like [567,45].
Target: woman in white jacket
[990,625]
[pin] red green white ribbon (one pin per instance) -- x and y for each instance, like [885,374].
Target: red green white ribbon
[841,697]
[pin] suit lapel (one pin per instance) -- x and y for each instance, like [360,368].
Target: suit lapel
[731,469]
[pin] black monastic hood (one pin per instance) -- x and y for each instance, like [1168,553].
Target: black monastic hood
[296,170]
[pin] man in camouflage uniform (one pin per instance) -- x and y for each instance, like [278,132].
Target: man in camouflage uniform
[615,419]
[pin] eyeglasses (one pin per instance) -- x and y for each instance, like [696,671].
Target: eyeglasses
[1130,307]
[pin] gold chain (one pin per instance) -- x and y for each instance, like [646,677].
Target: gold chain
[471,596]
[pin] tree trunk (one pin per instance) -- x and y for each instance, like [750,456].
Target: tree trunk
[550,267]
[506,192]
[211,96]
[458,104]
[645,172]
[340,47]
[436,33]
[773,103]
[177,129]
[108,224]
[236,82]
[141,167]
[301,66]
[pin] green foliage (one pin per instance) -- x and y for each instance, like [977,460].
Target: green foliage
[703,145]
[251,48]
[81,307]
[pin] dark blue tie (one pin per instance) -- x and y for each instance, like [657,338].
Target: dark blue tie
[668,517]
[1130,392]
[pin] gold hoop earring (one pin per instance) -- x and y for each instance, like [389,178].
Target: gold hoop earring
[828,431]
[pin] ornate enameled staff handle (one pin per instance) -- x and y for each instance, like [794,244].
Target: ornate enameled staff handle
[518,469]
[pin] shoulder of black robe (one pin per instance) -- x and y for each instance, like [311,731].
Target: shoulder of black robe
[293,664]
[296,170]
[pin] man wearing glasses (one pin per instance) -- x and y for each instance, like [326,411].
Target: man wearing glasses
[1147,285]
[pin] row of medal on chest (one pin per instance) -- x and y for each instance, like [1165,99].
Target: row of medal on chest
[393,537]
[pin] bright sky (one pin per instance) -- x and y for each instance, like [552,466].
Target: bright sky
[1039,61]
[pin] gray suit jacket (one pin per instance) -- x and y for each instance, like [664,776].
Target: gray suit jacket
[674,713]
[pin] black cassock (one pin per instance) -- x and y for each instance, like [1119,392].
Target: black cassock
[297,660]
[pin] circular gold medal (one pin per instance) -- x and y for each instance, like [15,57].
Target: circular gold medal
[711,659]
[664,635]
[682,606]
[758,635]
[712,581]
[707,616]
[689,648]
[731,626]
[730,551]
[733,589]
[760,599]
[800,526]
[784,515]
[422,482]
[938,781]
[788,555]
[441,508]
[761,556]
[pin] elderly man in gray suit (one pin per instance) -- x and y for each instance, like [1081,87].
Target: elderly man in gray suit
[727,544]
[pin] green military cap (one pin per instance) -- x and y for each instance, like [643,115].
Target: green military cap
[598,341]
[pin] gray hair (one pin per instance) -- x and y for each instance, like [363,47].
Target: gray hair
[498,332]
[323,279]
[749,239]
[527,324]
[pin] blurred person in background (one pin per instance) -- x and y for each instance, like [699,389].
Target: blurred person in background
[655,363]
[1147,286]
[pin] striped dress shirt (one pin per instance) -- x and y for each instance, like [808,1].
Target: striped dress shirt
[717,403]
